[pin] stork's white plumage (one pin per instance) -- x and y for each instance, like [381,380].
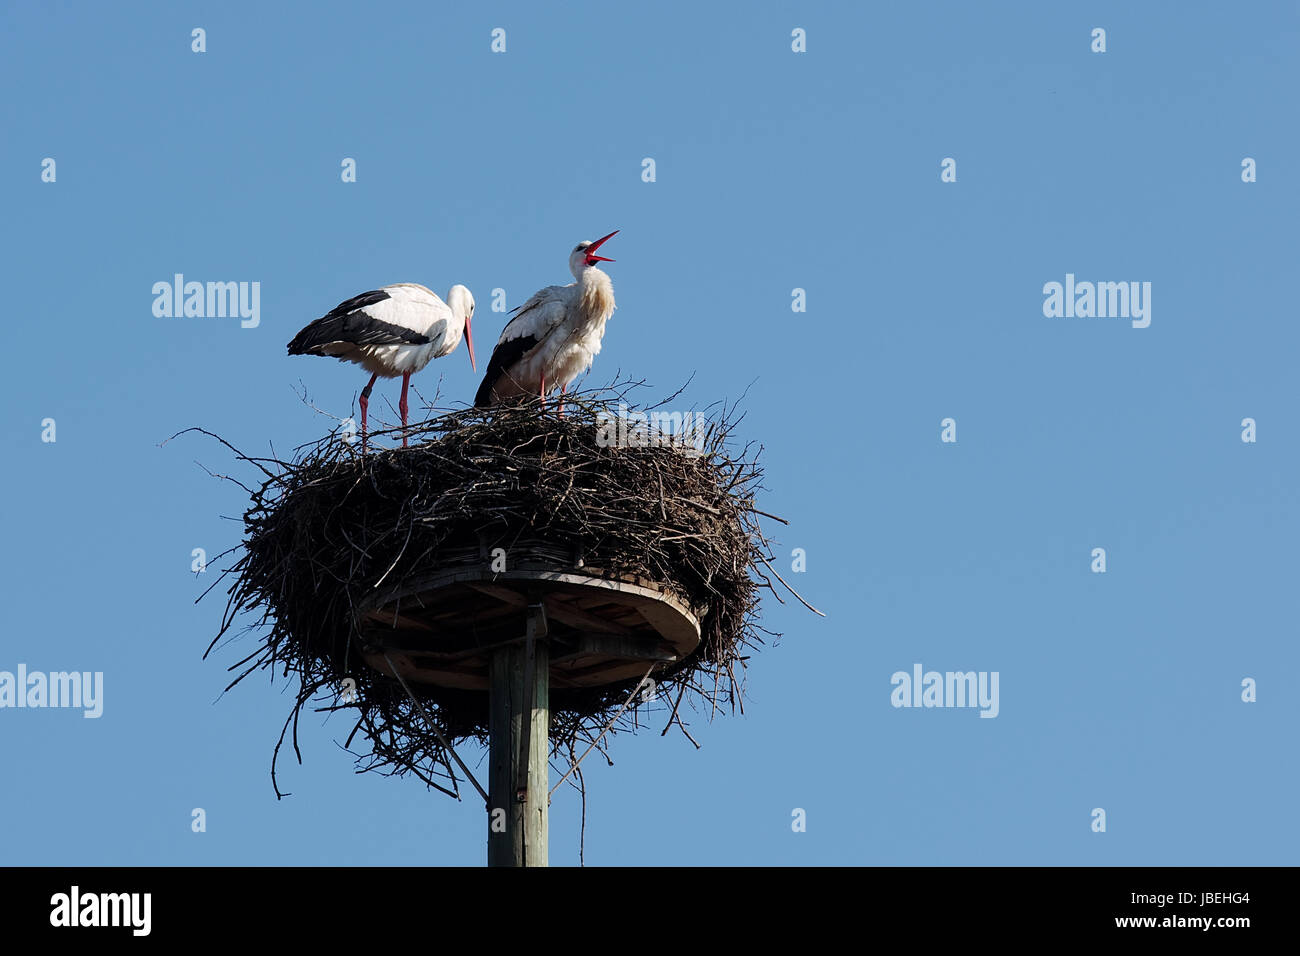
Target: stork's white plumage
[555,335]
[392,331]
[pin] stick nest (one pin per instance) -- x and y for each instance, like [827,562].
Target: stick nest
[325,528]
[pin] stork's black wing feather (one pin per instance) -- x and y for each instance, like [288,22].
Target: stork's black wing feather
[503,356]
[349,322]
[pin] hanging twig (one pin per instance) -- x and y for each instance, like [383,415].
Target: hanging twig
[437,733]
[635,690]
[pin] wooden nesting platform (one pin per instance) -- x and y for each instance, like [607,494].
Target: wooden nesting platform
[443,629]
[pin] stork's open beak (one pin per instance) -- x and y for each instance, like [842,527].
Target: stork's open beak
[596,245]
[469,343]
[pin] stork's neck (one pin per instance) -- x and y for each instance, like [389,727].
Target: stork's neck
[592,274]
[595,296]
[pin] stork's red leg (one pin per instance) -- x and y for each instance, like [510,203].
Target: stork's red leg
[364,401]
[543,388]
[406,381]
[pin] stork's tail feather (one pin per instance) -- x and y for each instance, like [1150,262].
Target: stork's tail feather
[505,355]
[313,338]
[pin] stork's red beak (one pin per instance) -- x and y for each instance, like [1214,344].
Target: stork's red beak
[596,245]
[469,343]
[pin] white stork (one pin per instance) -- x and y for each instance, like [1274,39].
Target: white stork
[555,335]
[396,330]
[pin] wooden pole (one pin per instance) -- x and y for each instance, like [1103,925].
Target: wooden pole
[519,729]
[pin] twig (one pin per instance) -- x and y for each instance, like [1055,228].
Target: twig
[437,733]
[578,763]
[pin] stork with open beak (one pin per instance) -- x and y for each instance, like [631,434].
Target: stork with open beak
[392,331]
[555,335]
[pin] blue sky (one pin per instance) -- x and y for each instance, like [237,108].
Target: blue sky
[775,170]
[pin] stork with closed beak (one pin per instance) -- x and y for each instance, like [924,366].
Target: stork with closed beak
[392,331]
[554,336]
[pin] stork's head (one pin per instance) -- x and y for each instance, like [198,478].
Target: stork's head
[584,255]
[461,302]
